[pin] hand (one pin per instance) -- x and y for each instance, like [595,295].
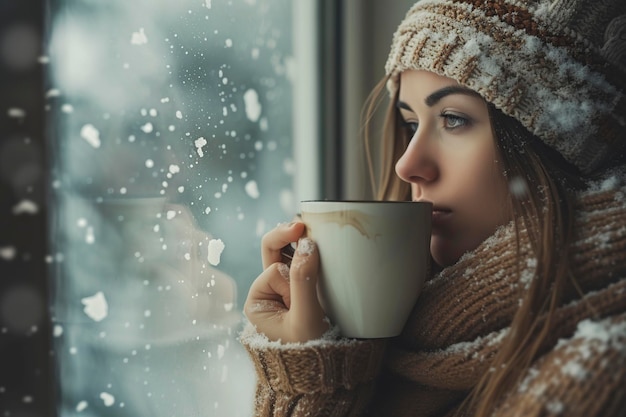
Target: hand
[282,302]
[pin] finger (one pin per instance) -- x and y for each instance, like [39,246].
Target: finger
[276,239]
[287,251]
[268,302]
[306,312]
[271,285]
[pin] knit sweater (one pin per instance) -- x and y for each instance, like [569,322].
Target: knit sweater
[457,326]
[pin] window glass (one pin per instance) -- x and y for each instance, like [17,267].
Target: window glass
[170,129]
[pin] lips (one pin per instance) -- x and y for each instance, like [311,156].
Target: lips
[441,211]
[440,214]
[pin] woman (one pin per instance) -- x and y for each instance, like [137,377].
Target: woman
[510,118]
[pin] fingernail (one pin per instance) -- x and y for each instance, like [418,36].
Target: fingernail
[285,225]
[305,246]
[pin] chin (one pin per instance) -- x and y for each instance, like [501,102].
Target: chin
[442,260]
[444,255]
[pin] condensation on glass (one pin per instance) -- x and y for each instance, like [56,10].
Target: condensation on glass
[170,124]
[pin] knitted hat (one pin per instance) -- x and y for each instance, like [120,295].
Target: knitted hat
[557,66]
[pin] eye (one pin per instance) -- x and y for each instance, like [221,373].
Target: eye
[410,127]
[454,121]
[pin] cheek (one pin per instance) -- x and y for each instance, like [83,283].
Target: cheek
[483,198]
[485,174]
[488,203]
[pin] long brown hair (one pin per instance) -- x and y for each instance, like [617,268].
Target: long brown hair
[544,209]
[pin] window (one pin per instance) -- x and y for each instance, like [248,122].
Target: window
[172,139]
[145,148]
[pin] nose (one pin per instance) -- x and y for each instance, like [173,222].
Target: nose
[418,163]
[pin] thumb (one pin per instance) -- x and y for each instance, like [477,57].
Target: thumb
[306,313]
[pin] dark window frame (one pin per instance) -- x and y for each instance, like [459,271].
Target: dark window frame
[27,359]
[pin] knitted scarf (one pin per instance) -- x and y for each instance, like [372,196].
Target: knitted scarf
[464,312]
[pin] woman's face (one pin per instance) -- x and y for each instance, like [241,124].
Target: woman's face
[451,162]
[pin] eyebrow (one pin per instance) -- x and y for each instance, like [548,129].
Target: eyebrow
[434,97]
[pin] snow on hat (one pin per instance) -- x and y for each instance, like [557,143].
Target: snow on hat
[557,66]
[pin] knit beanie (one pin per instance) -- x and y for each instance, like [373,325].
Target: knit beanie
[557,66]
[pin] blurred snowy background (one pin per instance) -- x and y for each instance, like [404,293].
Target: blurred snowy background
[162,153]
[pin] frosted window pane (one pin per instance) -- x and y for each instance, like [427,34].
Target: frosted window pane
[170,124]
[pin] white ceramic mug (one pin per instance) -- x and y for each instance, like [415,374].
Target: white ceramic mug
[374,258]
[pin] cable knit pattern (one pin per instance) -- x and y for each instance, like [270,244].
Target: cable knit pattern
[459,321]
[614,48]
[333,378]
